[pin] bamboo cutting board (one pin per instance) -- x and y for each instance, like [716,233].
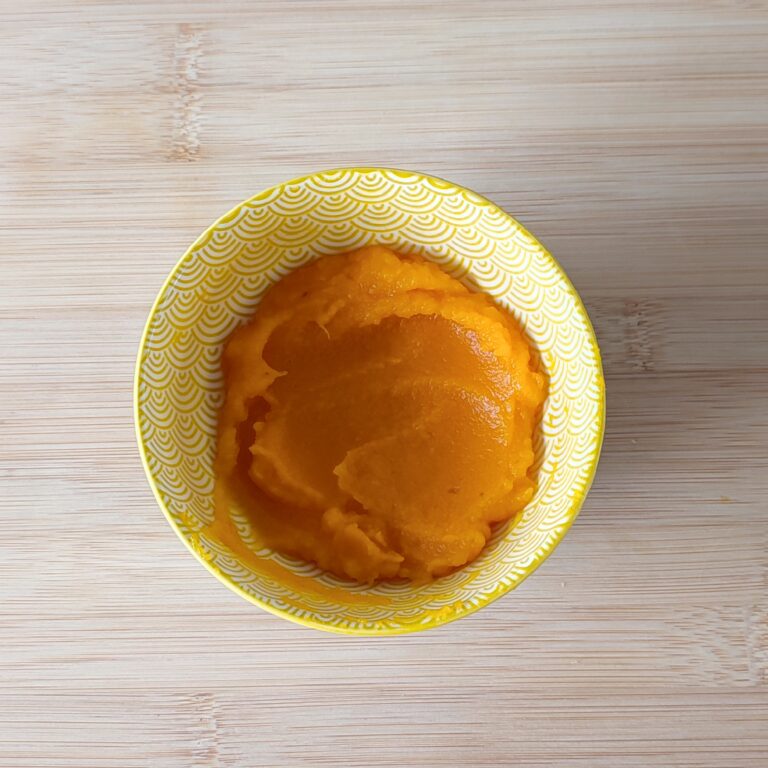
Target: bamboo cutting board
[632,138]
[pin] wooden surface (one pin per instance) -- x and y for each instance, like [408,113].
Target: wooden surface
[632,138]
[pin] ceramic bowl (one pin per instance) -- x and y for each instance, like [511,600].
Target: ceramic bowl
[216,286]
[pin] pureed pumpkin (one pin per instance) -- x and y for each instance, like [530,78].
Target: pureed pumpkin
[378,418]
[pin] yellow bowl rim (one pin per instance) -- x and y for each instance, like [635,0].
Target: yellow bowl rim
[442,619]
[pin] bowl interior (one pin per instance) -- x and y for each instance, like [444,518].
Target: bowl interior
[216,286]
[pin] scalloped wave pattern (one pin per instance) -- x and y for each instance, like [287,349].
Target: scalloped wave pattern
[217,285]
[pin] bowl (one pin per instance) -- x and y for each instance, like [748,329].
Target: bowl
[216,286]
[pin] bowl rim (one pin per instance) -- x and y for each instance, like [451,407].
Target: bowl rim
[443,618]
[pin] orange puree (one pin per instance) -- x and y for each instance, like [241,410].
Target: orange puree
[378,418]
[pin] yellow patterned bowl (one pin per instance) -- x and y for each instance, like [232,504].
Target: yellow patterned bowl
[216,286]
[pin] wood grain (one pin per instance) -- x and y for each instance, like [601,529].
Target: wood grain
[632,138]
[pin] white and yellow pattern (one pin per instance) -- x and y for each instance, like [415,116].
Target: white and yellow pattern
[218,283]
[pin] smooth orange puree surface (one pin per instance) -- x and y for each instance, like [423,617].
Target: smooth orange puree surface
[378,418]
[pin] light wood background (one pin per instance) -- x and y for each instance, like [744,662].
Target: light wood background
[632,138]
